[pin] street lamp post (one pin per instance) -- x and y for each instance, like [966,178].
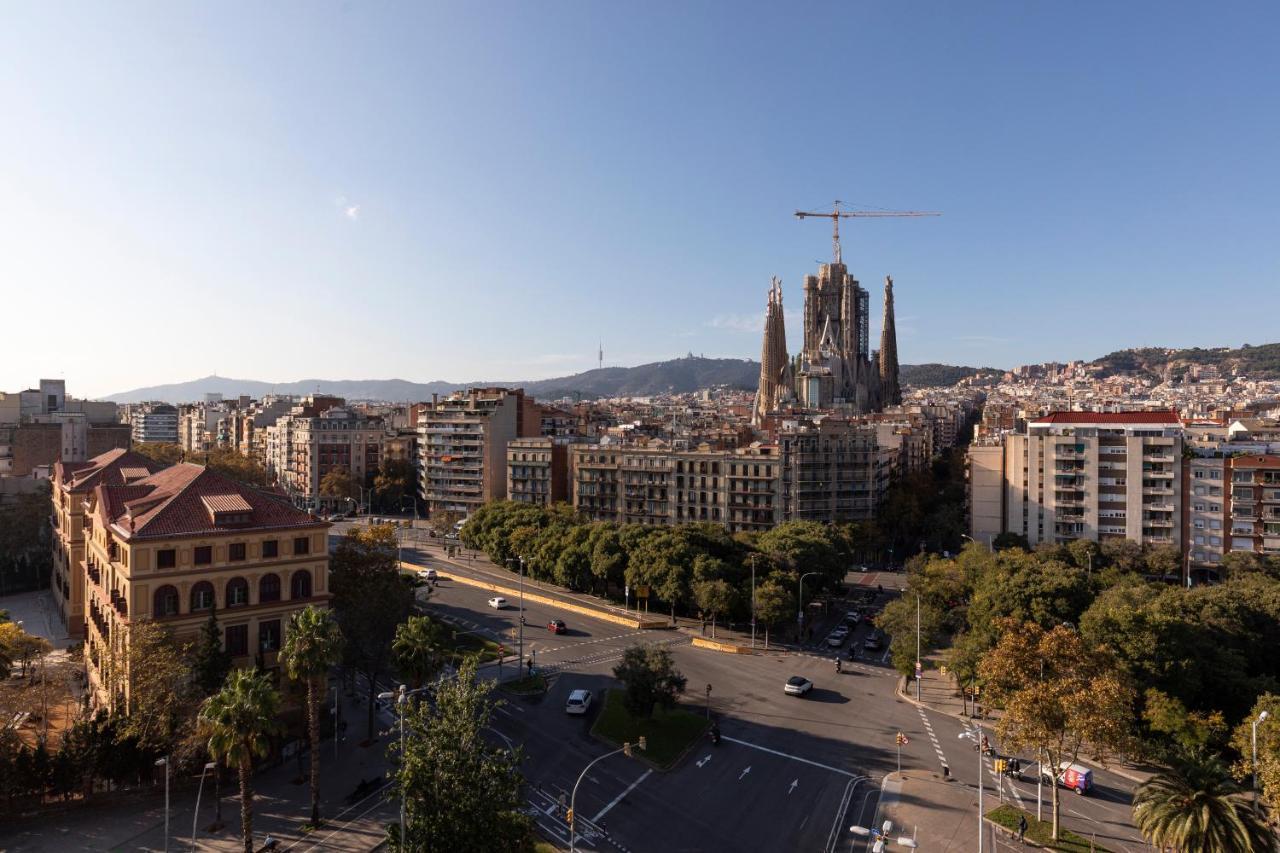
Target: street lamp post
[208,765]
[1262,718]
[919,665]
[402,697]
[753,601]
[976,737]
[573,797]
[881,836]
[164,762]
[520,655]
[709,703]
[800,601]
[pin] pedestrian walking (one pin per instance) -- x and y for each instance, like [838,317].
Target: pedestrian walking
[1022,829]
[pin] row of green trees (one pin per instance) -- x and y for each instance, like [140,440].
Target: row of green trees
[1082,649]
[25,542]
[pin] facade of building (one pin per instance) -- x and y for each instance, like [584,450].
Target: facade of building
[71,483]
[171,545]
[462,445]
[834,470]
[537,470]
[1084,475]
[1255,504]
[155,423]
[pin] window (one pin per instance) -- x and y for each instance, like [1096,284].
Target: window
[270,548]
[269,636]
[269,587]
[166,558]
[237,592]
[300,584]
[1198,474]
[238,640]
[166,602]
[235,551]
[202,596]
[204,555]
[301,545]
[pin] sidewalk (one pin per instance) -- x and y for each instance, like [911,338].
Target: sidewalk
[941,694]
[281,807]
[941,816]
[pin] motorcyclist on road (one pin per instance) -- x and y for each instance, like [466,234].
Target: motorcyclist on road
[837,664]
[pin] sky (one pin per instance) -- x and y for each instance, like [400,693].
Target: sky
[489,191]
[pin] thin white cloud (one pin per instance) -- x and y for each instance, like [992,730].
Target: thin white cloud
[351,211]
[738,322]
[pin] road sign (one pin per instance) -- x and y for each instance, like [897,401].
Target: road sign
[902,739]
[642,591]
[918,670]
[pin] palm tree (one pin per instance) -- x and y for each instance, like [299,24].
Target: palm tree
[312,644]
[1197,806]
[417,649]
[239,720]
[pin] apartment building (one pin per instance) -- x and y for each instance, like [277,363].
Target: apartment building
[154,423]
[537,470]
[173,544]
[462,445]
[1083,475]
[1255,503]
[833,469]
[71,483]
[316,443]
[42,426]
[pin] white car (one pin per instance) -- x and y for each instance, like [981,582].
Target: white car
[428,574]
[579,702]
[497,602]
[797,685]
[837,637]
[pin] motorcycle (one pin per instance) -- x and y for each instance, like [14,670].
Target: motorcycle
[714,734]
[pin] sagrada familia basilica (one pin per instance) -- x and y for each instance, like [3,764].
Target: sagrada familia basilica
[835,370]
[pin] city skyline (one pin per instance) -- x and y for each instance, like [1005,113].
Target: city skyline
[458,197]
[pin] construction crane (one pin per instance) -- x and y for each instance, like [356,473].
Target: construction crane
[837,214]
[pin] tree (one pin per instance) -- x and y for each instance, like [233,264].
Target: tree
[713,597]
[1007,541]
[1268,768]
[312,645]
[649,675]
[394,482]
[805,546]
[1196,806]
[460,792]
[1163,561]
[161,697]
[443,522]
[898,620]
[773,604]
[210,662]
[370,597]
[338,483]
[1192,731]
[662,561]
[1059,695]
[417,649]
[239,721]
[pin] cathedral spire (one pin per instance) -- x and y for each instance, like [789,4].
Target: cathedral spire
[775,366]
[889,388]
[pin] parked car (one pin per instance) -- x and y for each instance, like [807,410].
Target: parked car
[837,637]
[578,703]
[428,574]
[497,602]
[797,685]
[557,626]
[853,617]
[874,642]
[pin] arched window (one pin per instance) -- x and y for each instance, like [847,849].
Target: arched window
[166,602]
[269,587]
[300,584]
[202,596]
[237,592]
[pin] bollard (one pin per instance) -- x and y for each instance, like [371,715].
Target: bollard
[946,772]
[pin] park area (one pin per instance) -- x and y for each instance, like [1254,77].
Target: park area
[668,733]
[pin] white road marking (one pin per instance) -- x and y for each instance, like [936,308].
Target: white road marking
[703,760]
[794,783]
[744,773]
[604,811]
[792,757]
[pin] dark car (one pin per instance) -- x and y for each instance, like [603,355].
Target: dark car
[557,626]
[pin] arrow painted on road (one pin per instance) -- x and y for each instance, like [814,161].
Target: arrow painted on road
[794,782]
[703,760]
[744,773]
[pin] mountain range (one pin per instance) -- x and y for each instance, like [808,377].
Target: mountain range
[681,375]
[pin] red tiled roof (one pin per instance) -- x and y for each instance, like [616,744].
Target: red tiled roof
[106,468]
[177,501]
[1110,418]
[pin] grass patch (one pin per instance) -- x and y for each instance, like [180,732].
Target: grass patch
[669,733]
[462,644]
[527,686]
[544,847]
[1040,830]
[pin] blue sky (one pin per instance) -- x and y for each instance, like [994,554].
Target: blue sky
[483,191]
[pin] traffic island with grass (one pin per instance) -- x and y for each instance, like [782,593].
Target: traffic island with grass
[669,733]
[460,644]
[531,685]
[1039,831]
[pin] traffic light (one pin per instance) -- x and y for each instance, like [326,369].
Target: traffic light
[569,817]
[644,742]
[626,750]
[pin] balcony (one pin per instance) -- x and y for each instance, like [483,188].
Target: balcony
[1158,507]
[1158,456]
[1157,490]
